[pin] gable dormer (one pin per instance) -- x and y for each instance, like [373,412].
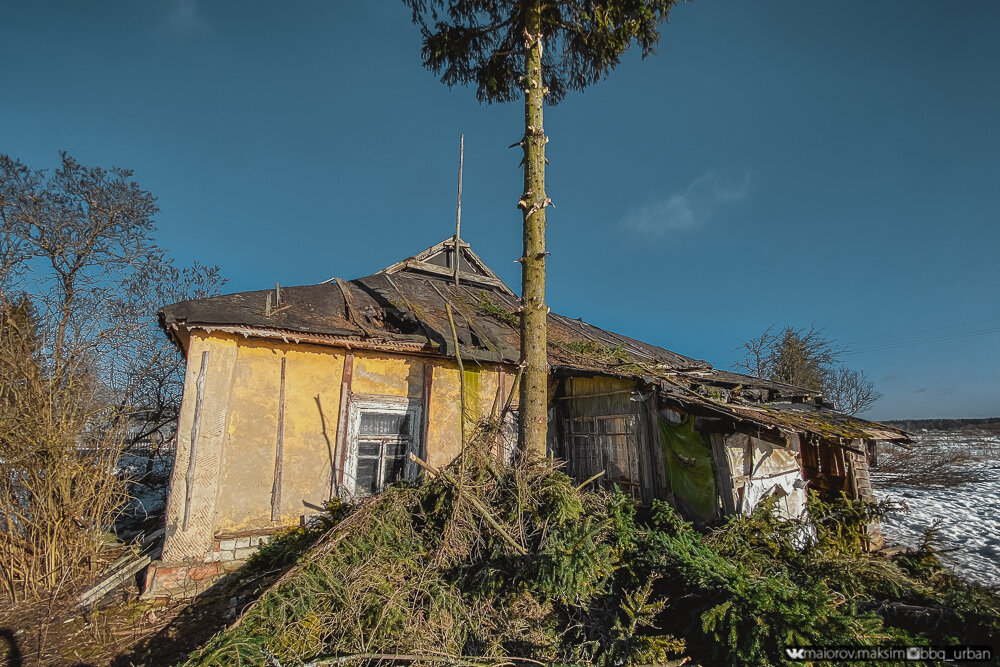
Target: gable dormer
[440,260]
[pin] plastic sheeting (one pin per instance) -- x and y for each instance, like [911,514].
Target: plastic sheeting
[789,488]
[688,459]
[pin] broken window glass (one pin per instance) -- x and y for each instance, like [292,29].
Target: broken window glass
[605,443]
[384,444]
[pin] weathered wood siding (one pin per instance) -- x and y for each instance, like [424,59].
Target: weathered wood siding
[605,428]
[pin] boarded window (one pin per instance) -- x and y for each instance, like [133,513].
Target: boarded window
[605,443]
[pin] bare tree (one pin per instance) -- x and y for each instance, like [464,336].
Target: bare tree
[807,358]
[852,391]
[81,359]
[146,371]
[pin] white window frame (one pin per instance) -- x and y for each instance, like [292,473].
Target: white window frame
[386,404]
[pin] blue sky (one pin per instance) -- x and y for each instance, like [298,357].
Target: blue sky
[778,162]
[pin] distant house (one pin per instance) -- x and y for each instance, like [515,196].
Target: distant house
[297,395]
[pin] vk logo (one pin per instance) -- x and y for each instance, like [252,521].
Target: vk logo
[796,653]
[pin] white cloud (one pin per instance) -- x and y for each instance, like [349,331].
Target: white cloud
[689,208]
[184,18]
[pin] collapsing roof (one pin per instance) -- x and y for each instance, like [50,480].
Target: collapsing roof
[403,309]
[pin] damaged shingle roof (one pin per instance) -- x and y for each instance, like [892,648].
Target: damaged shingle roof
[403,308]
[405,304]
[772,406]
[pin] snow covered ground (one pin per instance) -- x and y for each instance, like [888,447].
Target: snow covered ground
[147,488]
[954,477]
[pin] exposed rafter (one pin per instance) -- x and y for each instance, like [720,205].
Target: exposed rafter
[424,262]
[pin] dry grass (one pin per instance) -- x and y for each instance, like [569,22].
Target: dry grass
[58,489]
[121,632]
[929,465]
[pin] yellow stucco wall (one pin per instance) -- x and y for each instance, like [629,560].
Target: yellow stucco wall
[444,428]
[198,502]
[381,374]
[313,374]
[245,487]
[312,400]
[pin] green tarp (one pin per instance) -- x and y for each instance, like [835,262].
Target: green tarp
[689,467]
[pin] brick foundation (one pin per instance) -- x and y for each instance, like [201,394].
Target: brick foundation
[191,577]
[236,548]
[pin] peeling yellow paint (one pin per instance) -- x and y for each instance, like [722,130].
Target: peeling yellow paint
[243,483]
[387,375]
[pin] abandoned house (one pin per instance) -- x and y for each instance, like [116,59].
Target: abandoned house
[296,395]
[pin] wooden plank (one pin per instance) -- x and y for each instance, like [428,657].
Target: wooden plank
[449,273]
[600,460]
[635,474]
[427,393]
[810,458]
[657,464]
[345,406]
[577,397]
[352,312]
[279,450]
[722,473]
[195,426]
[113,581]
[748,457]
[568,450]
[830,462]
[643,470]
[860,476]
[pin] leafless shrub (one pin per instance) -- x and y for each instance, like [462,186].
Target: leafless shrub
[926,467]
[83,371]
[809,359]
[58,490]
[983,444]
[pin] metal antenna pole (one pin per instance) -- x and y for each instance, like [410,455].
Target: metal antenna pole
[458,214]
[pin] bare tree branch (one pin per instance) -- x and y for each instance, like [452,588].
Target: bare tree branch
[807,358]
[84,369]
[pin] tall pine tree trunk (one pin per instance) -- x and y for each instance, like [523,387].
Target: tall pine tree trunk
[534,381]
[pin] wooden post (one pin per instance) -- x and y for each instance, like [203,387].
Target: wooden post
[723,472]
[458,214]
[534,312]
[345,405]
[196,424]
[461,390]
[279,450]
[659,482]
[425,427]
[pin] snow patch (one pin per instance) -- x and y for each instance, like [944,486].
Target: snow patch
[969,511]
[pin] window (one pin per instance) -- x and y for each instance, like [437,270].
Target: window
[608,443]
[383,430]
[504,448]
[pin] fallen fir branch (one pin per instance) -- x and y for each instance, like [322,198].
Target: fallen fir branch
[467,661]
[458,661]
[485,513]
[581,487]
